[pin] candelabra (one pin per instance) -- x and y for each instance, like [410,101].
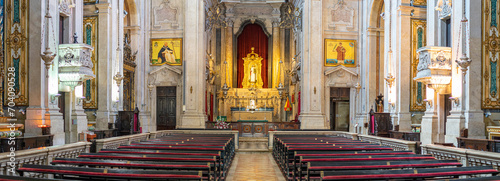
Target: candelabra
[47,56]
[225,88]
[390,80]
[118,78]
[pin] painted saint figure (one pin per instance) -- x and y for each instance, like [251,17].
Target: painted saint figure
[166,54]
[340,53]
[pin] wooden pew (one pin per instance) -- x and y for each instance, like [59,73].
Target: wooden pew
[104,173]
[17,178]
[206,167]
[406,174]
[314,168]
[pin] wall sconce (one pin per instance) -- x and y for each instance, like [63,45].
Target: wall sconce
[455,101]
[487,114]
[392,105]
[281,88]
[428,102]
[54,98]
[357,87]
[79,101]
[225,88]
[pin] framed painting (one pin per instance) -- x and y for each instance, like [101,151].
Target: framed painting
[340,52]
[166,51]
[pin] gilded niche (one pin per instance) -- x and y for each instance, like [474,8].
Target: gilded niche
[252,66]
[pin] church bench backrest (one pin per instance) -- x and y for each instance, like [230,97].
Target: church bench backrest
[162,152]
[112,173]
[406,173]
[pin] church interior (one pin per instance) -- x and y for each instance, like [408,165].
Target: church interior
[249,90]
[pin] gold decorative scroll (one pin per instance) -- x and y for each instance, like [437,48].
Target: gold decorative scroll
[90,86]
[17,49]
[252,65]
[419,2]
[490,51]
[417,90]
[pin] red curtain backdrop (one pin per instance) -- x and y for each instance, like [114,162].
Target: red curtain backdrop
[252,36]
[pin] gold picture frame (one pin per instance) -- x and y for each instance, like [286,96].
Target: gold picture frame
[90,86]
[166,51]
[336,49]
[417,89]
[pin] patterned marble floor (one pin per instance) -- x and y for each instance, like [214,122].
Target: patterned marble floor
[254,166]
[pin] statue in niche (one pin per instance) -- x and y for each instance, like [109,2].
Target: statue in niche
[252,66]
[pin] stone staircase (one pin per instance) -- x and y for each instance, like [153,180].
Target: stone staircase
[253,144]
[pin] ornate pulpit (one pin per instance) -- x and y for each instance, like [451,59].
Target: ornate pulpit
[253,67]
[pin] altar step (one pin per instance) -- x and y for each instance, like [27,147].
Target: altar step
[253,144]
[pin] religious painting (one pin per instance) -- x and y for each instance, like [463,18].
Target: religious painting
[166,51]
[490,49]
[340,52]
[417,89]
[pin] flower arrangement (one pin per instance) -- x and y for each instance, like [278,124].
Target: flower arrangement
[221,124]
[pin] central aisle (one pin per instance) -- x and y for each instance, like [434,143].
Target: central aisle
[254,166]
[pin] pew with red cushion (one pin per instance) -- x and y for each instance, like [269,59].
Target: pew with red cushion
[313,168]
[106,174]
[406,174]
[206,167]
[19,178]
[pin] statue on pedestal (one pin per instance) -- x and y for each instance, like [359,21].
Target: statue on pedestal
[252,75]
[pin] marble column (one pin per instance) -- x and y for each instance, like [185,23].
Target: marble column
[104,73]
[430,121]
[194,38]
[78,113]
[455,122]
[402,57]
[276,56]
[141,75]
[474,115]
[35,113]
[228,69]
[312,115]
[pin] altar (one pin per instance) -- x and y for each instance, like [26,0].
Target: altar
[252,101]
[252,115]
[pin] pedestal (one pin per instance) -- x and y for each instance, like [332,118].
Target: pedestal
[454,124]
[429,128]
[57,126]
[312,121]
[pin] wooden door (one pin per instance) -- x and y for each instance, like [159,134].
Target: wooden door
[166,108]
[447,110]
[332,114]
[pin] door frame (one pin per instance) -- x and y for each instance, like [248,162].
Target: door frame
[352,104]
[157,98]
[153,107]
